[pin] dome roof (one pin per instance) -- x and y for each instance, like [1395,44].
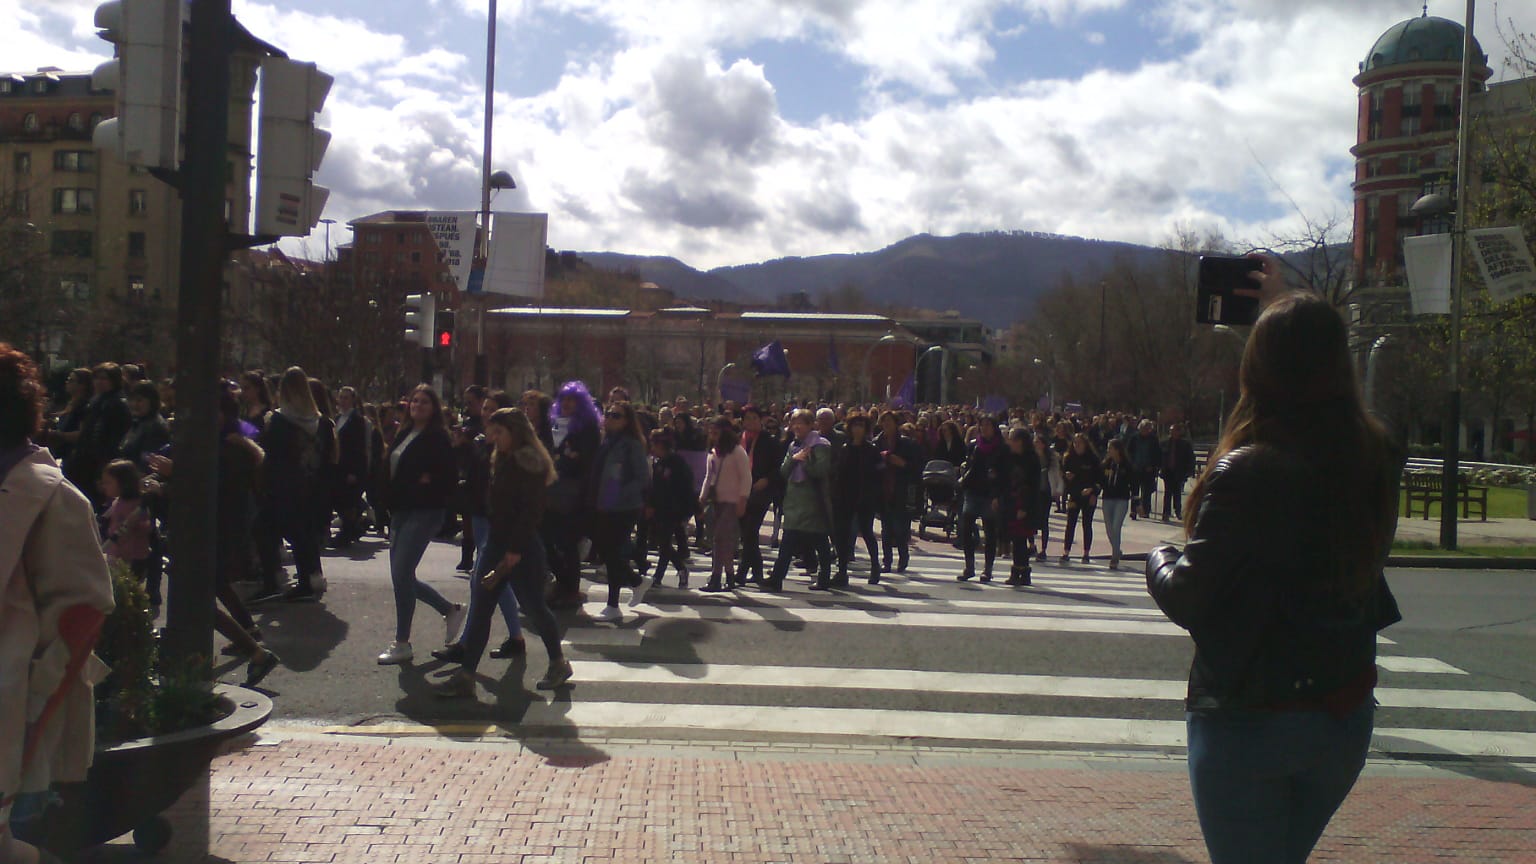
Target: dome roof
[1420,40]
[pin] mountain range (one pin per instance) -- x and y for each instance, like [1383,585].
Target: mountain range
[994,277]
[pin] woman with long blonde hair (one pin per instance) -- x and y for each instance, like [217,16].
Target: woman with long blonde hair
[1282,588]
[521,473]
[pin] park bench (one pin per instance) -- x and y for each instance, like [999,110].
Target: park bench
[1423,491]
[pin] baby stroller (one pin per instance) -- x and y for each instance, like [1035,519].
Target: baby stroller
[941,486]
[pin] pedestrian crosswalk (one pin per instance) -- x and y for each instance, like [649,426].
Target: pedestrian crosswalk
[792,666]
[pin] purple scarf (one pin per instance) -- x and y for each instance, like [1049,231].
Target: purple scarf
[812,439]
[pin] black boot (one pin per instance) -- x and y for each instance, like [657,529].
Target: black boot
[902,560]
[874,571]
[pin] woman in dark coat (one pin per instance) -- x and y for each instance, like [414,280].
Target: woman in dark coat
[300,446]
[576,429]
[1282,587]
[903,460]
[980,493]
[1084,474]
[423,475]
[856,485]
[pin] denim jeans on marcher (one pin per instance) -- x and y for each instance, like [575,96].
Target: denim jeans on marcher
[507,600]
[1114,521]
[1266,783]
[528,581]
[411,532]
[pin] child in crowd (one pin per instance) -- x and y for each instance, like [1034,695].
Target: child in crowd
[128,520]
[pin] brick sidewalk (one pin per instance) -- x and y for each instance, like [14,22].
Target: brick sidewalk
[314,798]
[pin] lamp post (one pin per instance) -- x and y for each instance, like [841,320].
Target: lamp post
[917,366]
[1221,393]
[1050,377]
[1433,204]
[887,339]
[327,223]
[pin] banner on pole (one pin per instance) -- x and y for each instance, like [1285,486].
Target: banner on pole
[1505,262]
[1427,260]
[515,267]
[454,233]
[771,360]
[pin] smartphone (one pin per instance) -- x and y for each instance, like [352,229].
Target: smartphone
[1224,293]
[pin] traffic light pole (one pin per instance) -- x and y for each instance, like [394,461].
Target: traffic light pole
[204,248]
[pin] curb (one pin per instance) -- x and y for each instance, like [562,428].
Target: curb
[1461,562]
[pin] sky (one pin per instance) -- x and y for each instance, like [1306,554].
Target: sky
[733,131]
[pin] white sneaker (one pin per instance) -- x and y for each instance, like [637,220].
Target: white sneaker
[610,613]
[396,653]
[453,622]
[637,593]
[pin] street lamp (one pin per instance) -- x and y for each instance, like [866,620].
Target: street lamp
[1438,204]
[887,339]
[1221,393]
[917,366]
[1050,378]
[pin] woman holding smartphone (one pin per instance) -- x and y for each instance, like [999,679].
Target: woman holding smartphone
[1085,477]
[1282,588]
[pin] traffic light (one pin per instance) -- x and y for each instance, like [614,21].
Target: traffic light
[288,203]
[145,78]
[444,330]
[420,319]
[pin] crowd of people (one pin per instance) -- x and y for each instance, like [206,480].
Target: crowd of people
[632,488]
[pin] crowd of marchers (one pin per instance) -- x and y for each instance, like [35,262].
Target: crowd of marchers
[535,486]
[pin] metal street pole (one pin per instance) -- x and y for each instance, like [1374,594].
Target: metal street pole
[1451,473]
[204,249]
[482,252]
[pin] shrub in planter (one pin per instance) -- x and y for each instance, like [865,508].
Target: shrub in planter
[143,696]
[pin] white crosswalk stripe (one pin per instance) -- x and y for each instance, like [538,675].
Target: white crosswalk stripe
[1081,599]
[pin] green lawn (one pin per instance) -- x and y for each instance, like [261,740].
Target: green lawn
[1504,502]
[1424,547]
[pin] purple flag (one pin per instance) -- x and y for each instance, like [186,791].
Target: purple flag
[770,360]
[907,394]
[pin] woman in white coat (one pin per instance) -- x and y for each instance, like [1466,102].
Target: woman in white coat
[54,593]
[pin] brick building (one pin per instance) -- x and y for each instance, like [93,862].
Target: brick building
[110,232]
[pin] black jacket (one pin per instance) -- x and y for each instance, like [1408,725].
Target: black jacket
[766,454]
[1178,459]
[982,475]
[1253,588]
[429,456]
[1020,480]
[352,446]
[293,474]
[856,472]
[514,500]
[1118,480]
[1083,474]
[672,495]
[145,435]
[897,479]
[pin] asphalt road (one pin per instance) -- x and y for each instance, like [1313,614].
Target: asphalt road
[1081,660]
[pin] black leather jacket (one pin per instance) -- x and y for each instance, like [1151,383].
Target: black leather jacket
[1252,588]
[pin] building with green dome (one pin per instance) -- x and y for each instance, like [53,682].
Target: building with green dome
[1410,101]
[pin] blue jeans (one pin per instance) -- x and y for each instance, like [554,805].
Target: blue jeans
[1114,520]
[1266,783]
[507,600]
[409,537]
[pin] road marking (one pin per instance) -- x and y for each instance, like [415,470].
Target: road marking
[1421,665]
[883,606]
[911,680]
[632,718]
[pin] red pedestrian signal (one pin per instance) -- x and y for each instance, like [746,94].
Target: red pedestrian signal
[445,339]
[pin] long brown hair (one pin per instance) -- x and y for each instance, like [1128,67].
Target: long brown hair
[1300,393]
[527,451]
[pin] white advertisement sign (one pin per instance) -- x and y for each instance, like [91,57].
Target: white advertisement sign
[1428,262]
[1505,262]
[454,232]
[516,265]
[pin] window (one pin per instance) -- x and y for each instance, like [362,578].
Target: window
[76,244]
[415,257]
[399,257]
[29,123]
[7,86]
[21,203]
[78,161]
[136,244]
[1412,124]
[138,202]
[76,122]
[74,201]
[75,287]
[40,86]
[96,119]
[23,164]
